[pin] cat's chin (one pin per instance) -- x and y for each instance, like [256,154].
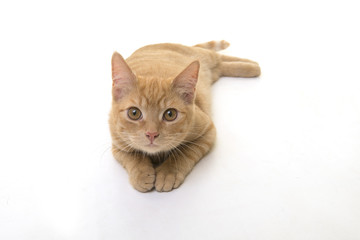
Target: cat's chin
[152,148]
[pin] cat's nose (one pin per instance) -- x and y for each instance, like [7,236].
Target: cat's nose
[152,135]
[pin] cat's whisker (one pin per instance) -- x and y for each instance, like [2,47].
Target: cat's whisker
[105,150]
[127,148]
[174,157]
[193,143]
[184,142]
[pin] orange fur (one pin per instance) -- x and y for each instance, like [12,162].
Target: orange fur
[157,78]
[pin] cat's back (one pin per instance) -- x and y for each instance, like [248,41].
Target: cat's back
[165,58]
[164,50]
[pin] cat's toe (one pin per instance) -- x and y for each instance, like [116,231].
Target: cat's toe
[179,180]
[166,182]
[143,181]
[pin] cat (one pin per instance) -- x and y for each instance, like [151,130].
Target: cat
[160,120]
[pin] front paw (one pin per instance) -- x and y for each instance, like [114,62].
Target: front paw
[168,179]
[143,179]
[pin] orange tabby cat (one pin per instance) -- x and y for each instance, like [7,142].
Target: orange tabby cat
[160,118]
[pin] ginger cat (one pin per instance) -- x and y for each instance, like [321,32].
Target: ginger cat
[160,118]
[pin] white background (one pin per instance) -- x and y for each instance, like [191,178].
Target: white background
[287,160]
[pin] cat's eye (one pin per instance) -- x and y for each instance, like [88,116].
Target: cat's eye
[134,113]
[170,114]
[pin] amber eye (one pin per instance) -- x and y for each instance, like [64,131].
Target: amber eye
[170,114]
[134,113]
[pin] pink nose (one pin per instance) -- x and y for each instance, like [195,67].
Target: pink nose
[151,136]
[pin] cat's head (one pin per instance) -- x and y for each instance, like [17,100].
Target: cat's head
[151,115]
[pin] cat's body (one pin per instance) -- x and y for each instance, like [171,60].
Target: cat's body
[161,126]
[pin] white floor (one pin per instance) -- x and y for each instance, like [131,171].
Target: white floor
[287,160]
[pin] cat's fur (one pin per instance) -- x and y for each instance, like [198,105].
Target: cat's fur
[155,152]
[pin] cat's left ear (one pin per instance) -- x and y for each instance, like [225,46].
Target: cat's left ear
[122,76]
[185,83]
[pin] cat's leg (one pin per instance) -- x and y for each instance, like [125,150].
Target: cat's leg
[171,174]
[240,69]
[139,167]
[225,58]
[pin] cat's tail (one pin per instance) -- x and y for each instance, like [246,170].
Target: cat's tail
[232,66]
[214,45]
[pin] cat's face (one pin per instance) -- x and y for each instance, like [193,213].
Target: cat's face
[151,115]
[150,119]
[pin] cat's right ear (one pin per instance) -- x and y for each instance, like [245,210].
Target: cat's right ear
[122,76]
[185,83]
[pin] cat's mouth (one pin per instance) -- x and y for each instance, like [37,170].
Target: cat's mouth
[152,148]
[152,145]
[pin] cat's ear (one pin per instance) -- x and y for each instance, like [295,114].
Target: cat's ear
[185,83]
[122,76]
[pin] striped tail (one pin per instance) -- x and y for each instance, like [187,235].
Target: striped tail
[214,45]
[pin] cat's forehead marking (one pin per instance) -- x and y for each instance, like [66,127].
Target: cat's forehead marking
[133,102]
[154,101]
[153,91]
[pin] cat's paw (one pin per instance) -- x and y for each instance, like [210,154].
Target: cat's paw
[143,179]
[168,179]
